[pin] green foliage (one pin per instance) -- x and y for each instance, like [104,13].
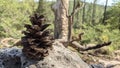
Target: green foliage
[44,8]
[100,33]
[41,7]
[113,16]
[14,14]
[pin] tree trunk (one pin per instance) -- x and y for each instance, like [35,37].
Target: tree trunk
[94,11]
[83,15]
[88,13]
[41,9]
[60,9]
[105,12]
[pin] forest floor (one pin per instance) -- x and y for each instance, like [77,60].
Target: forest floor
[108,61]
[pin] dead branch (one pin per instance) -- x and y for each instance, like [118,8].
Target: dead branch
[79,47]
[77,38]
[77,8]
[98,46]
[71,19]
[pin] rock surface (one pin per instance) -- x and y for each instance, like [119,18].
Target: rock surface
[59,57]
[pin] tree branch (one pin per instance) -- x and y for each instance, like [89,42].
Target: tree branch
[79,47]
[71,19]
[77,8]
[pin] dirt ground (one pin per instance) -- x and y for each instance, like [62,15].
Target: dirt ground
[108,61]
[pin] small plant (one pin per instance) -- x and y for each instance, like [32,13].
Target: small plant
[37,40]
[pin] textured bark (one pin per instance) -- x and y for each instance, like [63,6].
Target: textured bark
[60,9]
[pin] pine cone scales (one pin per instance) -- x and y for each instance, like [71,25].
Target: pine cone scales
[37,39]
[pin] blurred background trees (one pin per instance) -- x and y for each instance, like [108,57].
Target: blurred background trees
[41,9]
[15,13]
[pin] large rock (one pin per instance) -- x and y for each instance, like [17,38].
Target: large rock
[59,57]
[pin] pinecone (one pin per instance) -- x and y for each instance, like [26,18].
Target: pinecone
[37,40]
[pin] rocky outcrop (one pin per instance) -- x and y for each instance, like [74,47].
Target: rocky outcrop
[59,57]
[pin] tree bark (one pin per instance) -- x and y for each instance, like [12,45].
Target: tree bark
[83,15]
[104,17]
[94,12]
[60,9]
[41,9]
[76,8]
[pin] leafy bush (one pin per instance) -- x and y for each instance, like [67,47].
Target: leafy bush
[14,14]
